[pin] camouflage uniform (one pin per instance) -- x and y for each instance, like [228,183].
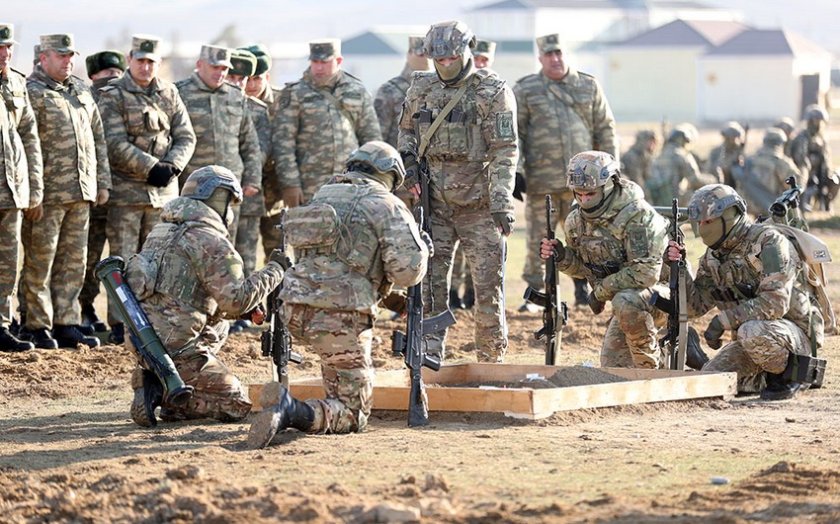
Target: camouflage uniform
[22,185]
[618,250]
[471,161]
[811,153]
[557,120]
[354,240]
[637,162]
[729,155]
[75,168]
[768,169]
[271,187]
[253,207]
[142,127]
[675,172]
[758,282]
[315,128]
[188,279]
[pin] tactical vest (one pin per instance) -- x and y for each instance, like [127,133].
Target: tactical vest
[600,243]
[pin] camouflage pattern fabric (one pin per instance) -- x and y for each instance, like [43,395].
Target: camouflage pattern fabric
[472,162]
[388,103]
[461,274]
[807,150]
[619,252]
[769,168]
[55,251]
[10,224]
[313,136]
[676,174]
[637,165]
[247,239]
[271,185]
[533,273]
[23,185]
[722,159]
[343,342]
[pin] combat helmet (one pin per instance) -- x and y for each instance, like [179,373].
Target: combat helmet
[815,112]
[712,202]
[379,157]
[447,39]
[687,132]
[203,181]
[786,124]
[591,169]
[732,130]
[774,137]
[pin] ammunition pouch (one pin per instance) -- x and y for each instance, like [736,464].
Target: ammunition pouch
[804,369]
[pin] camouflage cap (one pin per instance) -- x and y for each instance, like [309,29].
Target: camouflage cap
[320,50]
[7,34]
[549,43]
[203,181]
[263,58]
[446,39]
[732,130]
[815,112]
[382,157]
[786,124]
[36,50]
[485,48]
[712,200]
[60,43]
[591,169]
[145,46]
[774,137]
[104,60]
[244,63]
[215,55]
[415,45]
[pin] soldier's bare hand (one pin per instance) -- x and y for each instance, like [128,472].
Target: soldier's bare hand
[34,214]
[415,190]
[250,191]
[292,196]
[258,315]
[102,197]
[547,248]
[675,251]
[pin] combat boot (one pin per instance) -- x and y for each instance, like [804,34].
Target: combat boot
[90,318]
[40,337]
[778,388]
[70,337]
[454,300]
[146,401]
[117,335]
[280,411]
[469,298]
[11,343]
[581,292]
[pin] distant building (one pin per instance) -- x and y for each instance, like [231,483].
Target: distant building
[378,54]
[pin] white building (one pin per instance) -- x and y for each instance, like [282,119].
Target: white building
[378,54]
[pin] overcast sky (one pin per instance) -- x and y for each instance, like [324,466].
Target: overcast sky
[94,21]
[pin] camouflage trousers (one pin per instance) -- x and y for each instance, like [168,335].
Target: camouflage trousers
[55,253]
[534,272]
[10,220]
[343,340]
[96,245]
[761,346]
[247,238]
[630,340]
[127,228]
[474,231]
[218,393]
[461,274]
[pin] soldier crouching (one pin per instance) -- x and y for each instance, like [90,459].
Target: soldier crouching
[354,240]
[188,277]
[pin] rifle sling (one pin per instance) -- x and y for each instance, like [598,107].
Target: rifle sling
[426,137]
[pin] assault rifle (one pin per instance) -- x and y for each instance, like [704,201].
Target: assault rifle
[555,312]
[412,346]
[425,220]
[276,341]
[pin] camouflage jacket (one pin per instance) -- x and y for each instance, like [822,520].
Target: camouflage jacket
[619,249]
[472,157]
[224,130]
[21,147]
[388,103]
[316,128]
[96,85]
[74,151]
[675,174]
[270,184]
[636,164]
[189,275]
[558,120]
[722,160]
[810,152]
[142,127]
[755,275]
[353,240]
[255,205]
[771,168]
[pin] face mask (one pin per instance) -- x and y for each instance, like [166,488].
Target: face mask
[454,72]
[712,232]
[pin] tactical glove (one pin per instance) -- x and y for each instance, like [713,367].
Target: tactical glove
[504,220]
[559,251]
[428,241]
[412,170]
[594,304]
[714,333]
[161,173]
[519,187]
[280,256]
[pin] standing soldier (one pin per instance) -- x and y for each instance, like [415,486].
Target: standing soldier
[637,162]
[224,130]
[22,181]
[102,67]
[561,112]
[322,118]
[766,172]
[76,176]
[755,278]
[787,125]
[355,240]
[150,140]
[485,54]
[675,172]
[813,157]
[728,155]
[470,152]
[615,240]
[391,95]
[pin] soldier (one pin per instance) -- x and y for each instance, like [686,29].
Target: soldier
[355,240]
[484,54]
[22,182]
[756,279]
[471,153]
[728,155]
[150,140]
[561,112]
[222,122]
[615,240]
[188,279]
[637,162]
[675,172]
[766,171]
[812,156]
[322,118]
[76,176]
[391,95]
[102,67]
[787,125]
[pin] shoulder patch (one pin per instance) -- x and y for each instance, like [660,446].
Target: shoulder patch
[504,125]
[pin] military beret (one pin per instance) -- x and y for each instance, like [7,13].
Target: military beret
[103,60]
[263,58]
[244,63]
